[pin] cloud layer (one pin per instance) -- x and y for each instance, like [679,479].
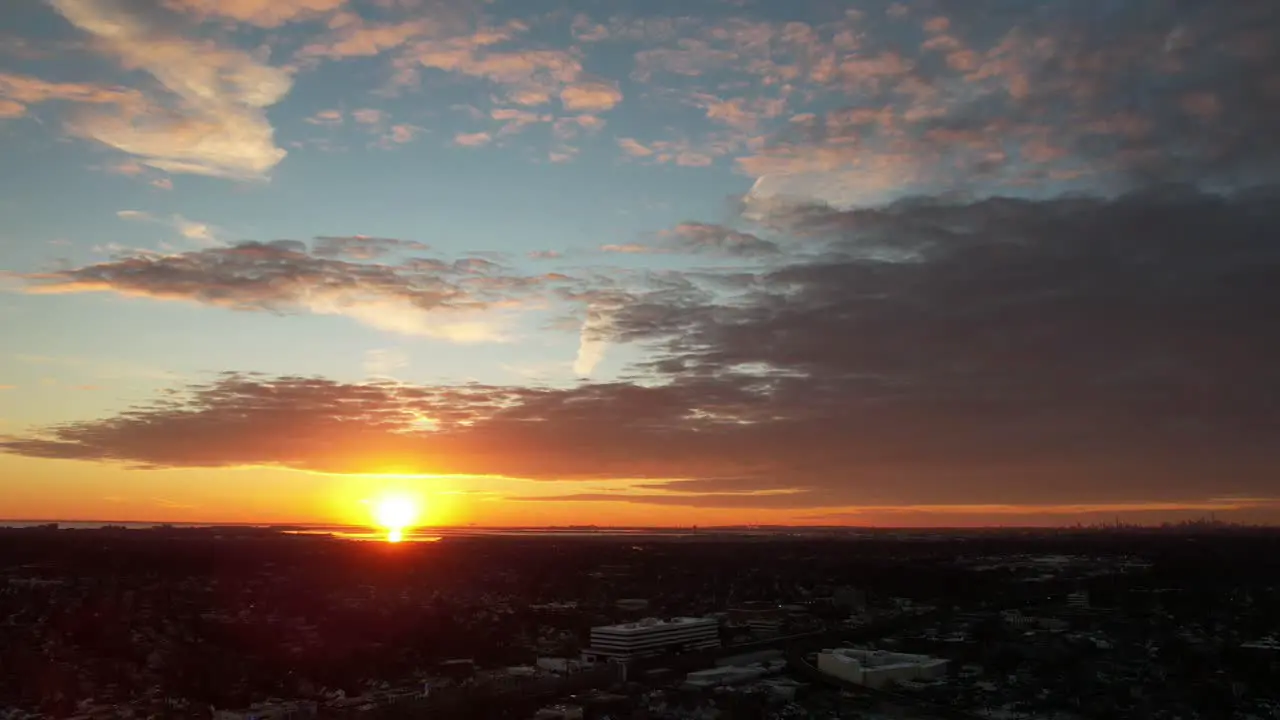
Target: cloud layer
[1002,351]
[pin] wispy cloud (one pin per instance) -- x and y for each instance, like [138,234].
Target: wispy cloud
[18,92]
[472,139]
[384,362]
[199,232]
[263,13]
[210,119]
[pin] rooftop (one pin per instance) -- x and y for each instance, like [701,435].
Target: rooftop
[651,624]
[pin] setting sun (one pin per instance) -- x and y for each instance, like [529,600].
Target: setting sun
[395,513]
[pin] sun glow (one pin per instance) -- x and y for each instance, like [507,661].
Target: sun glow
[395,514]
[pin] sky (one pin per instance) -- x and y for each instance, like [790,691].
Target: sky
[1000,262]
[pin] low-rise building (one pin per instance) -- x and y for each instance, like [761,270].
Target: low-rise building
[877,668]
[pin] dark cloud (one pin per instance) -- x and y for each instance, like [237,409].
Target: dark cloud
[719,240]
[363,247]
[1077,350]
[696,238]
[1001,97]
[415,296]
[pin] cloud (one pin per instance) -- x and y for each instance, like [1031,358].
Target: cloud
[362,247]
[529,77]
[472,139]
[12,109]
[384,362]
[1033,102]
[209,121]
[17,92]
[590,96]
[1075,351]
[717,239]
[630,249]
[326,117]
[593,339]
[202,233]
[351,36]
[634,148]
[400,134]
[700,238]
[263,13]
[463,301]
[368,116]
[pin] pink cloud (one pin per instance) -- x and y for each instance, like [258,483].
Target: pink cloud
[326,117]
[350,36]
[514,119]
[128,168]
[19,91]
[367,116]
[263,13]
[937,24]
[402,133]
[691,58]
[590,96]
[12,109]
[632,147]
[585,30]
[472,139]
[630,249]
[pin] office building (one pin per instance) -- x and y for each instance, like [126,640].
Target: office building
[650,637]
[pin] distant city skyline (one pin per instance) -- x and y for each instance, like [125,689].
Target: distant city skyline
[726,262]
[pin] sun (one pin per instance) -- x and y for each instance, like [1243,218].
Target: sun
[395,514]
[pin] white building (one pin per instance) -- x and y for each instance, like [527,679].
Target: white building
[648,637]
[876,668]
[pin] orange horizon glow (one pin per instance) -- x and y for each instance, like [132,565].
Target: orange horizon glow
[70,491]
